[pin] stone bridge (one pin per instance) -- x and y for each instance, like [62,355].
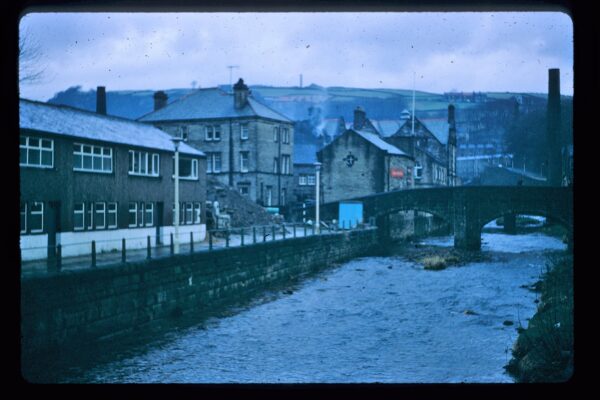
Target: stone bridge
[468,208]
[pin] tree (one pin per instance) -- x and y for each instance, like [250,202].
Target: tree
[31,69]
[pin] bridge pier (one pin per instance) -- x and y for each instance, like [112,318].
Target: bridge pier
[467,232]
[510,224]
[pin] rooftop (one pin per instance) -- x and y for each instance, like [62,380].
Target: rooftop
[72,122]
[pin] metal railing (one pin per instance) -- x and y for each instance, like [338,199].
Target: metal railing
[115,251]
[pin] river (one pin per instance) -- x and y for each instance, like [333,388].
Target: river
[373,319]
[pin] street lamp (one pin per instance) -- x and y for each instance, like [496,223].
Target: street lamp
[318,183]
[176,141]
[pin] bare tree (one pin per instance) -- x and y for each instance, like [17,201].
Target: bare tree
[31,69]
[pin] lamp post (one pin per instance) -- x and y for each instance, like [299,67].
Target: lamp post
[176,141]
[318,184]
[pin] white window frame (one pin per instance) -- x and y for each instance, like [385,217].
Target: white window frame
[212,133]
[41,212]
[275,165]
[100,210]
[24,214]
[103,157]
[113,212]
[244,186]
[141,213]
[80,212]
[149,161]
[39,148]
[311,180]
[244,129]
[135,213]
[418,171]
[285,164]
[244,165]
[269,196]
[197,213]
[189,212]
[286,136]
[275,134]
[194,168]
[302,180]
[90,213]
[149,214]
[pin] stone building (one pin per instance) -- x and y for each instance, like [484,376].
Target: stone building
[358,163]
[86,176]
[248,145]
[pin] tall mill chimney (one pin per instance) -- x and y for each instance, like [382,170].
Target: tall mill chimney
[452,125]
[160,100]
[240,94]
[553,129]
[101,100]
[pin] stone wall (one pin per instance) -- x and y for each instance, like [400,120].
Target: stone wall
[81,307]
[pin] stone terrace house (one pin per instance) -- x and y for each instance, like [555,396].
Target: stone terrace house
[432,145]
[358,163]
[86,176]
[248,145]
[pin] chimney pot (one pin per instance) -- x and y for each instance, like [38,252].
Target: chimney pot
[240,94]
[101,100]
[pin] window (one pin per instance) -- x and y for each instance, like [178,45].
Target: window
[197,213]
[283,196]
[302,180]
[243,131]
[79,216]
[141,212]
[213,162]
[275,134]
[418,170]
[36,220]
[244,189]
[189,212]
[90,216]
[212,132]
[285,164]
[34,152]
[184,133]
[188,168]
[112,215]
[149,218]
[143,163]
[181,213]
[132,220]
[311,180]
[275,165]
[23,217]
[243,161]
[286,135]
[100,215]
[92,158]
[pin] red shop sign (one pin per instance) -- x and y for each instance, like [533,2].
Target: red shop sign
[397,173]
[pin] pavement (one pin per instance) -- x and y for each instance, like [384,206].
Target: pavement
[108,259]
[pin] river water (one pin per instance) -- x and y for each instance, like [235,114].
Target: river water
[373,319]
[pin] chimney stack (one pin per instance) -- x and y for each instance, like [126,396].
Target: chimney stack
[160,100]
[553,128]
[360,117]
[101,100]
[240,94]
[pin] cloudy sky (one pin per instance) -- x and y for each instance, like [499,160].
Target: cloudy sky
[499,51]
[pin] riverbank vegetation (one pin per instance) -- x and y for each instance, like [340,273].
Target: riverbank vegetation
[544,351]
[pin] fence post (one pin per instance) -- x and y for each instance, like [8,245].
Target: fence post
[304,230]
[283,227]
[227,238]
[148,255]
[93,254]
[264,233]
[254,234]
[191,242]
[294,227]
[171,245]
[58,257]
[209,240]
[273,231]
[242,236]
[123,251]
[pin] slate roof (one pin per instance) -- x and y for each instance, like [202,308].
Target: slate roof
[439,127]
[387,127]
[210,103]
[69,121]
[380,143]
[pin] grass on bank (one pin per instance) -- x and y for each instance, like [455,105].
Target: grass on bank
[544,351]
